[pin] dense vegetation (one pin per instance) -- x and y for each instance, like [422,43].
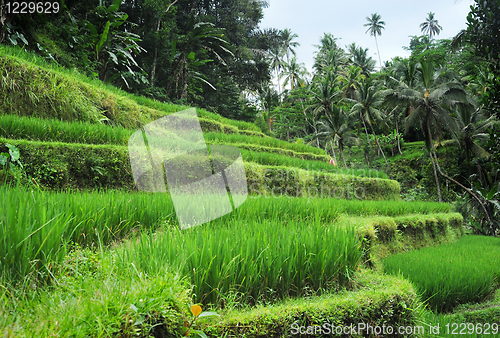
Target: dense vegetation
[347,167]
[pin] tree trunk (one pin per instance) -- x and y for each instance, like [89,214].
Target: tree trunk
[463,187]
[436,177]
[342,153]
[396,115]
[333,151]
[366,130]
[379,59]
[378,144]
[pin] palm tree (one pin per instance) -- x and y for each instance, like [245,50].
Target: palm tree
[288,44]
[350,78]
[359,57]
[367,100]
[430,26]
[404,75]
[375,26]
[276,63]
[473,127]
[324,95]
[336,129]
[433,102]
[293,73]
[330,56]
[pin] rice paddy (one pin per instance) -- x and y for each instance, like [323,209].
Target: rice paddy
[446,276]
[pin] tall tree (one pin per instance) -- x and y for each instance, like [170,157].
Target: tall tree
[367,101]
[288,44]
[433,102]
[431,26]
[359,57]
[336,129]
[375,26]
[330,57]
[294,73]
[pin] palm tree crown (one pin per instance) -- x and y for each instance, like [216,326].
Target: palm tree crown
[431,26]
[375,26]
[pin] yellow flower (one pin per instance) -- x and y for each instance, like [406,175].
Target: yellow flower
[196,310]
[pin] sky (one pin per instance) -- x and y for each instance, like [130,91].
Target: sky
[310,19]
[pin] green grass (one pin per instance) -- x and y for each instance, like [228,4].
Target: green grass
[90,297]
[72,95]
[38,228]
[451,274]
[253,260]
[378,301]
[283,160]
[46,130]
[218,138]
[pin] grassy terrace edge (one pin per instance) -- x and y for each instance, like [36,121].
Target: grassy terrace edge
[68,95]
[50,129]
[380,300]
[77,165]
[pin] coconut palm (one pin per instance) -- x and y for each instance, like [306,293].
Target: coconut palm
[359,57]
[375,26]
[330,56]
[433,101]
[293,73]
[473,127]
[367,101]
[324,93]
[404,75]
[276,63]
[336,129]
[430,26]
[288,44]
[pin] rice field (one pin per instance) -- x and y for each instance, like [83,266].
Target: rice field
[52,130]
[283,160]
[47,130]
[218,138]
[253,261]
[38,227]
[452,274]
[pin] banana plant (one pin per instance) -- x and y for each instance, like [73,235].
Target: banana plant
[191,51]
[114,48]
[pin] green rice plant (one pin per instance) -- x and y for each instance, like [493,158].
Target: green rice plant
[39,129]
[283,160]
[452,274]
[218,138]
[92,298]
[37,228]
[464,322]
[331,208]
[258,261]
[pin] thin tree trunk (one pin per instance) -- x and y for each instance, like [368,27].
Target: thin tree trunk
[333,151]
[396,115]
[153,69]
[366,130]
[436,177]
[378,144]
[155,59]
[440,198]
[378,52]
[343,158]
[463,187]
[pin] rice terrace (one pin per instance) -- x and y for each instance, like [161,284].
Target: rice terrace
[169,169]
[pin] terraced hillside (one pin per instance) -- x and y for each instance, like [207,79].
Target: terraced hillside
[83,253]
